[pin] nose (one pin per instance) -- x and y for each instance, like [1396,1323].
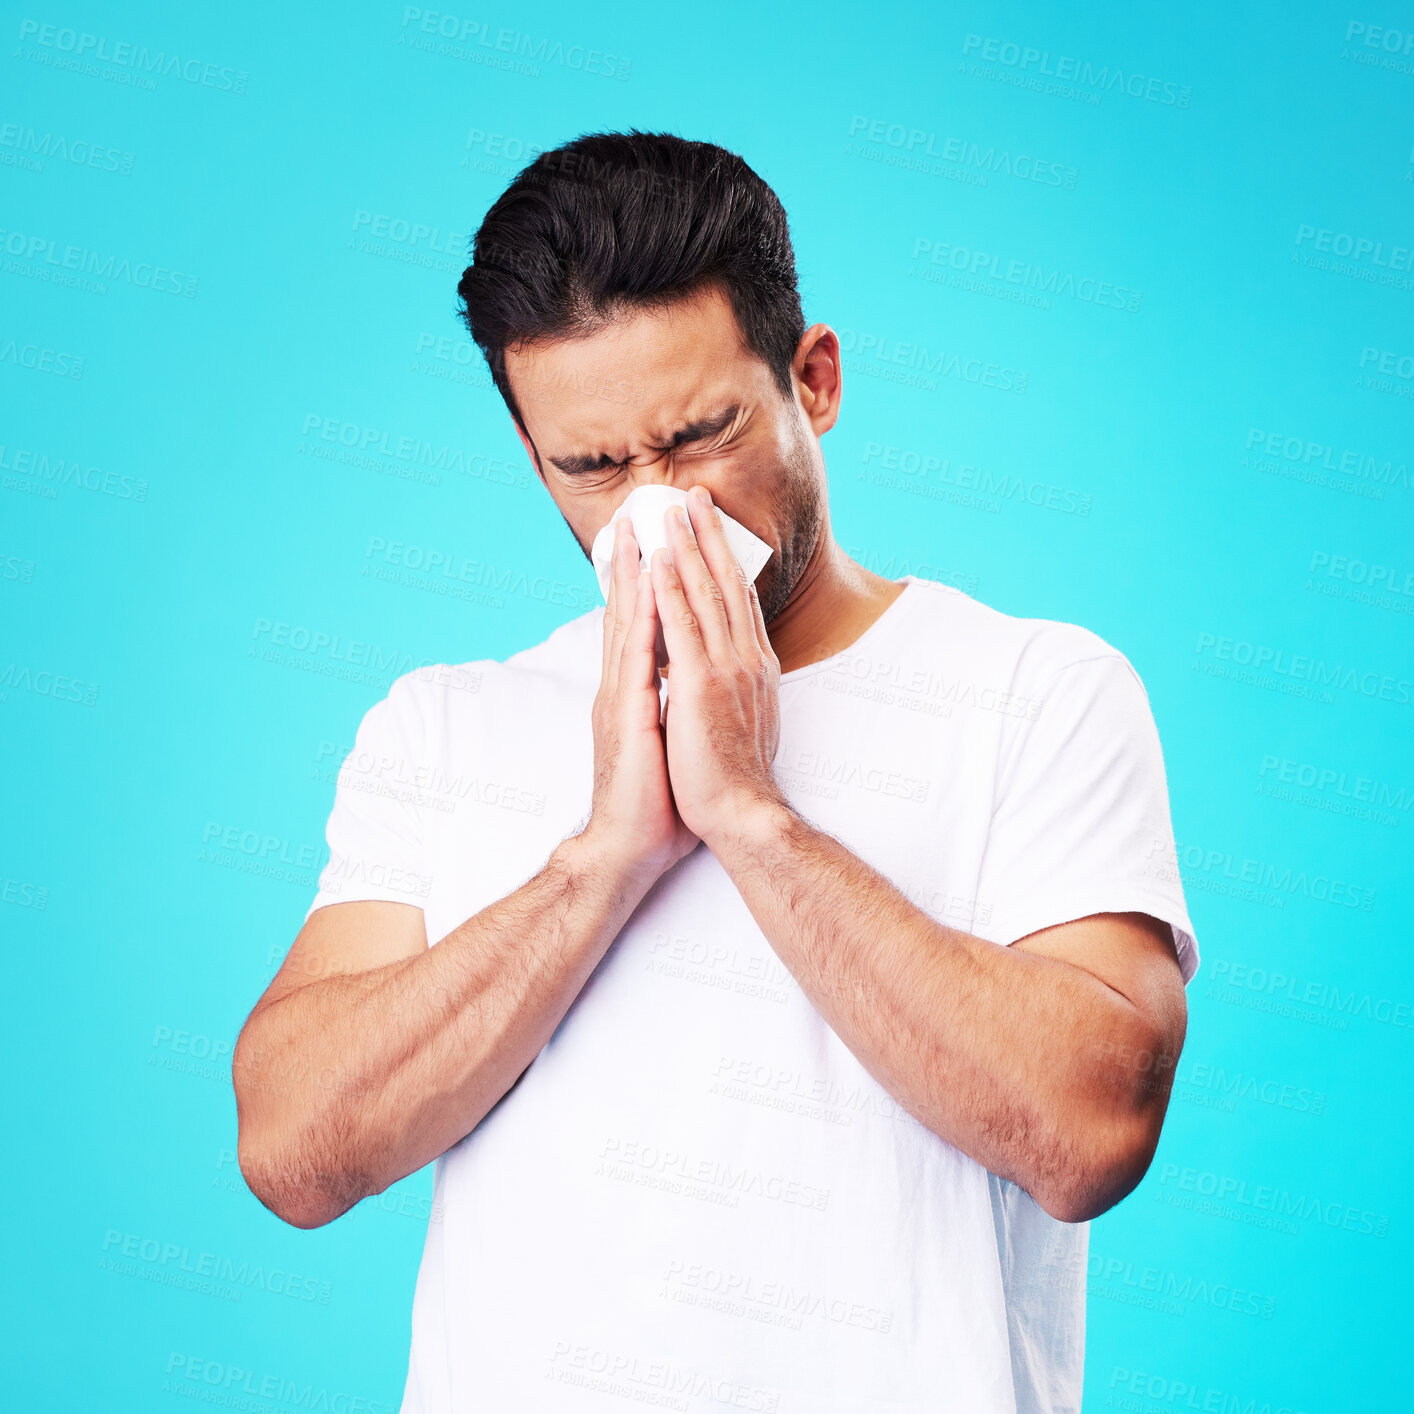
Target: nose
[663,472]
[657,473]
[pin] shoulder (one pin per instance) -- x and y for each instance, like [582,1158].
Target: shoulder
[424,700]
[1027,652]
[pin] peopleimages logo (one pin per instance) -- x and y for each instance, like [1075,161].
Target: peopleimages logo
[1129,1387]
[1323,456]
[1284,994]
[1278,879]
[39,359]
[53,472]
[1262,1198]
[461,37]
[1379,46]
[1103,78]
[1388,362]
[960,260]
[1328,779]
[219,1382]
[409,457]
[877,355]
[925,150]
[43,257]
[1357,248]
[1300,667]
[174,1264]
[82,50]
[29,147]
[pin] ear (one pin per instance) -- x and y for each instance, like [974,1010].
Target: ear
[819,377]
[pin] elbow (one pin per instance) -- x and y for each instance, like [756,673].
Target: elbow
[1078,1203]
[299,1204]
[1107,1152]
[274,1162]
[299,1201]
[1089,1187]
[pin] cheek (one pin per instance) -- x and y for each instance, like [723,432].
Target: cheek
[748,485]
[587,507]
[586,517]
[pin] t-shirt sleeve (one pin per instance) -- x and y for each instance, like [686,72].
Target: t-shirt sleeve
[375,830]
[1081,821]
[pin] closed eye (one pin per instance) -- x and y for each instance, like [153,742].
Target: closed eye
[707,446]
[707,434]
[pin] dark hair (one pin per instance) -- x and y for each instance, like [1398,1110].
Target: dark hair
[612,222]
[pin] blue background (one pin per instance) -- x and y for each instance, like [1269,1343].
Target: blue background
[177,485]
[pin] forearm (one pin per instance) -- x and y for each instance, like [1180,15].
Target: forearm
[354,1081]
[1030,1065]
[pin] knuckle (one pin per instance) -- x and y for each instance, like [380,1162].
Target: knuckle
[759,674]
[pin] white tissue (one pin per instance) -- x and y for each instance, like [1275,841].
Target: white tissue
[647,506]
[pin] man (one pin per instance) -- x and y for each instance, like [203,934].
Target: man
[774,1055]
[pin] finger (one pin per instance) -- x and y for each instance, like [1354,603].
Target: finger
[608,626]
[638,667]
[681,635]
[623,572]
[758,623]
[730,578]
[702,592]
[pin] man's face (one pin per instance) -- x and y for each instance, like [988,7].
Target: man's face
[674,398]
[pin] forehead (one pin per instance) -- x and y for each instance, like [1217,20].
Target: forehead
[638,379]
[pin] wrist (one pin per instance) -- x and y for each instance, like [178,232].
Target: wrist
[753,825]
[592,856]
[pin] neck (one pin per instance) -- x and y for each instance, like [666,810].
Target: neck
[834,602]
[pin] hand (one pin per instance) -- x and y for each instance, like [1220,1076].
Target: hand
[723,711]
[633,815]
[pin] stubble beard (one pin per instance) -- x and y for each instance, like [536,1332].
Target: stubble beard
[797,507]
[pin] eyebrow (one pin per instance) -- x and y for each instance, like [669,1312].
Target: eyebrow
[696,431]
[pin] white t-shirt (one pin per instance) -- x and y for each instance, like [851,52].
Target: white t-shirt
[696,1198]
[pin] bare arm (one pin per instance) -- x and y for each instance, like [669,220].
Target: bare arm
[1049,1061]
[395,1051]
[371,1053]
